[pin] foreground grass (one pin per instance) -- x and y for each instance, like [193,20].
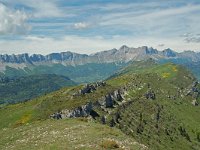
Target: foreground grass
[67,134]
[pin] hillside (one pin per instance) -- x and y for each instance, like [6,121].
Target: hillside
[21,89]
[80,73]
[157,105]
[83,68]
[190,65]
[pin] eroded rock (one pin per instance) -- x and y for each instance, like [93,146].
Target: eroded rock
[195,103]
[89,88]
[150,95]
[107,101]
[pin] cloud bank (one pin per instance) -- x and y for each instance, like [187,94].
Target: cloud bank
[13,22]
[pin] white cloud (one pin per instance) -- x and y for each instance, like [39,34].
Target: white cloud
[41,8]
[34,38]
[153,19]
[192,38]
[88,45]
[81,25]
[45,9]
[185,35]
[133,17]
[13,21]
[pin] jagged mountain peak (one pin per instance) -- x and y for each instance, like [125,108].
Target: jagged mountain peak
[151,51]
[111,52]
[169,52]
[123,47]
[123,54]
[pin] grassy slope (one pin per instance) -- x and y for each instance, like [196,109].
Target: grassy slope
[26,125]
[40,108]
[141,114]
[192,66]
[161,134]
[65,134]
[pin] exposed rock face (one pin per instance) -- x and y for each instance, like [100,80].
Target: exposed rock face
[103,120]
[56,116]
[123,53]
[112,123]
[194,92]
[21,58]
[117,95]
[117,117]
[169,53]
[195,103]
[108,101]
[151,51]
[82,111]
[89,88]
[112,99]
[150,95]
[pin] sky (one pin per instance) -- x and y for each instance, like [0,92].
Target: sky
[88,26]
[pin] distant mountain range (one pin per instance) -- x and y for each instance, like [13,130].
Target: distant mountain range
[98,65]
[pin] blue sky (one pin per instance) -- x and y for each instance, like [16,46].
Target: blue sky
[88,26]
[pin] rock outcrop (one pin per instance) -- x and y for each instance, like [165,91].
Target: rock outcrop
[107,101]
[89,88]
[195,103]
[150,95]
[56,115]
[111,99]
[81,111]
[194,92]
[169,53]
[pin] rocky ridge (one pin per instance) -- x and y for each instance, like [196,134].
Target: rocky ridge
[124,54]
[194,92]
[110,100]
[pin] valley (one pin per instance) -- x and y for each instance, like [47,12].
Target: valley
[20,89]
